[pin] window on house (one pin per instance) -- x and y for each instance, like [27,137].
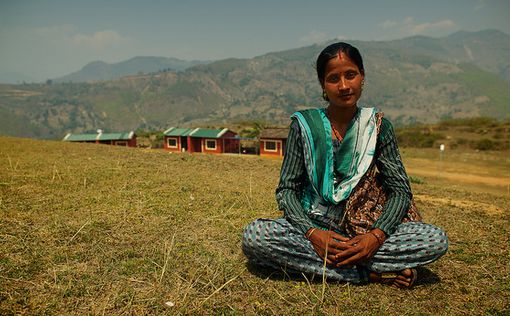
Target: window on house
[121,143]
[269,145]
[172,142]
[210,144]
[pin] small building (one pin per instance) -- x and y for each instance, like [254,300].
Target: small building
[127,139]
[176,139]
[201,140]
[273,141]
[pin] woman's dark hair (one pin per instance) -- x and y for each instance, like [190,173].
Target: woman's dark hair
[332,51]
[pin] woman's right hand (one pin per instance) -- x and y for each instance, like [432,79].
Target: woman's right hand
[327,244]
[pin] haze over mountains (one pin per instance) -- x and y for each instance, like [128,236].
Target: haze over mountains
[99,70]
[416,79]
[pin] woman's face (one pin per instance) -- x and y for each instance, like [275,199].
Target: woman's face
[342,81]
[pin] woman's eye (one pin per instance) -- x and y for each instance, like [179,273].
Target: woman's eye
[350,75]
[333,78]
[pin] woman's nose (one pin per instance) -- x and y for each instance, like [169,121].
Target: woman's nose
[342,84]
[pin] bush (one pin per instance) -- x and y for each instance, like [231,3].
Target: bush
[416,180]
[417,138]
[472,122]
[485,144]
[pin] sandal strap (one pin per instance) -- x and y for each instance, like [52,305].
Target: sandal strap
[388,275]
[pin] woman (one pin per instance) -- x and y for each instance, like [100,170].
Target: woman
[346,198]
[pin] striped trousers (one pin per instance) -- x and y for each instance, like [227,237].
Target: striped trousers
[277,244]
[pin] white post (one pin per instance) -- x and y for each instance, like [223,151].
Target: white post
[441,153]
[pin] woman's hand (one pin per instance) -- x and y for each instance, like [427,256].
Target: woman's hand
[327,244]
[360,249]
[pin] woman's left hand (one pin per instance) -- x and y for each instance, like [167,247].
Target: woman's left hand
[362,248]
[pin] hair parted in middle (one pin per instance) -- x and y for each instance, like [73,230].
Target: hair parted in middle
[332,51]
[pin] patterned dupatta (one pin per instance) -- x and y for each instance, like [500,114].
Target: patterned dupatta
[355,156]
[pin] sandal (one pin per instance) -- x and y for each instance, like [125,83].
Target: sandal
[397,279]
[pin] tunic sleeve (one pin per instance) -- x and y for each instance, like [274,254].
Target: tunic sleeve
[292,181]
[394,179]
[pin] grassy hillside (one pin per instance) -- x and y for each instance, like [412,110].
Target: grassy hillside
[93,229]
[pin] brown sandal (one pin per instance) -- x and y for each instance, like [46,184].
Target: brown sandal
[391,278]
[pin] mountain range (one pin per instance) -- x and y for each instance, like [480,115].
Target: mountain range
[99,70]
[415,79]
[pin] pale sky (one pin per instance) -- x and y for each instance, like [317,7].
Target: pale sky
[42,39]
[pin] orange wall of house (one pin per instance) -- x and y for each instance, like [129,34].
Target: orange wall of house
[194,145]
[132,142]
[224,144]
[219,146]
[198,144]
[276,153]
[229,144]
[165,144]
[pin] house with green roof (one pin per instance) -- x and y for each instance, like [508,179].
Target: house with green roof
[176,139]
[201,140]
[127,139]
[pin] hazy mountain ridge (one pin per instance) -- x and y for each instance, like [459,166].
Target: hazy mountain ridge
[99,70]
[15,77]
[414,79]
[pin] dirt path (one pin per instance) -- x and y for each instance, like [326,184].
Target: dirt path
[460,177]
[466,204]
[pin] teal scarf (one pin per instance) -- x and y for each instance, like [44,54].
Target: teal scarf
[333,177]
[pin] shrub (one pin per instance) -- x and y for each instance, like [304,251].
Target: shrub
[416,180]
[485,144]
[472,121]
[417,138]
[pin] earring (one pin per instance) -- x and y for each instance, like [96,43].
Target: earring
[324,95]
[362,84]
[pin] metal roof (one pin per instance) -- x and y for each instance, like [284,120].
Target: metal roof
[101,136]
[196,132]
[116,136]
[175,131]
[80,137]
[280,133]
[208,132]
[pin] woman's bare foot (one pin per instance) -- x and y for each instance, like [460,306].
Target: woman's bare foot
[401,279]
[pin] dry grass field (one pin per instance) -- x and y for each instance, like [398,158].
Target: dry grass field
[101,230]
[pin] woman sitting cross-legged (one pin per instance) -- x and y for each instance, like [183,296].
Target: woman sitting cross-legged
[344,192]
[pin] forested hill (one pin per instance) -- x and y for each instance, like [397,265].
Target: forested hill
[414,79]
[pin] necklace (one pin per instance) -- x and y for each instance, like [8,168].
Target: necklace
[335,131]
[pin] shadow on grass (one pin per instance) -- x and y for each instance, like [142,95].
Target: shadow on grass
[425,275]
[270,273]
